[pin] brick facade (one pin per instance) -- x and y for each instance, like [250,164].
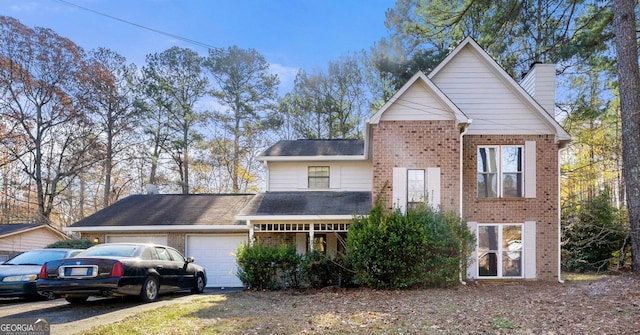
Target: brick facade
[543,209]
[417,145]
[423,144]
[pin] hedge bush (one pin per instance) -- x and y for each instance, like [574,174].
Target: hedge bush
[423,248]
[74,243]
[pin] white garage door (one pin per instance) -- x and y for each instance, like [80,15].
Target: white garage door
[217,254]
[157,239]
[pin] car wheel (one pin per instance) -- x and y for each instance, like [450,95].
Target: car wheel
[150,289]
[76,300]
[198,287]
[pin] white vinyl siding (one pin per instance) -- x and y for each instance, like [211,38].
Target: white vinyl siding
[344,176]
[494,106]
[540,83]
[418,103]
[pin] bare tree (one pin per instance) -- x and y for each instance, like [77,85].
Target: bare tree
[40,80]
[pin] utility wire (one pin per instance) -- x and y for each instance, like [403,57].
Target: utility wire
[184,39]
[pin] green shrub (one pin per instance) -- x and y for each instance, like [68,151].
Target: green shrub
[74,243]
[256,266]
[422,248]
[316,270]
[288,263]
[263,267]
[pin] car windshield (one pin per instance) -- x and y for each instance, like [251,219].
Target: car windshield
[112,250]
[36,257]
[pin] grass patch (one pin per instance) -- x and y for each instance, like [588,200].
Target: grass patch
[575,276]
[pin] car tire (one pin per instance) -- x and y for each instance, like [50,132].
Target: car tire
[150,289]
[76,300]
[198,286]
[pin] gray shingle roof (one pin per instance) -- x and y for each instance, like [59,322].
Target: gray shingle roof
[16,227]
[316,148]
[310,203]
[170,209]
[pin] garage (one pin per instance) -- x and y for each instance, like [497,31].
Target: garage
[157,239]
[217,254]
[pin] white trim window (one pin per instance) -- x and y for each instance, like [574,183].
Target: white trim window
[318,176]
[416,187]
[500,250]
[500,171]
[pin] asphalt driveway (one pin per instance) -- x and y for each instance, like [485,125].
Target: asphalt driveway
[66,319]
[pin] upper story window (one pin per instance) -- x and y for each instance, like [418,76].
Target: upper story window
[318,177]
[415,187]
[500,171]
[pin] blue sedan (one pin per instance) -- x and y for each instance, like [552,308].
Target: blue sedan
[18,275]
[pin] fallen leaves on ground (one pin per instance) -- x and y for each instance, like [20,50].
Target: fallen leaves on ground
[605,306]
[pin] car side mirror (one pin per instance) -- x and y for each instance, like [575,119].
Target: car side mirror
[189,259]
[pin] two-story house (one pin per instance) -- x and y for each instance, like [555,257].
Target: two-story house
[466,137]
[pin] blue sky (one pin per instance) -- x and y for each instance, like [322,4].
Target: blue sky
[290,34]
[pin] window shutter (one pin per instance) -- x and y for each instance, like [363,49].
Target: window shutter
[303,175]
[472,265]
[530,169]
[433,187]
[399,187]
[334,176]
[529,251]
[301,243]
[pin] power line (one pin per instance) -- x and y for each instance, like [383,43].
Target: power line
[184,39]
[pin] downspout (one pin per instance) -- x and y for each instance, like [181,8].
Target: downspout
[461,161]
[251,233]
[559,222]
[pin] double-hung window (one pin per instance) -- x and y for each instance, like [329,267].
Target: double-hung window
[318,176]
[500,171]
[415,187]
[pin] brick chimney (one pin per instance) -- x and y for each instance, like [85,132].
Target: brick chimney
[540,83]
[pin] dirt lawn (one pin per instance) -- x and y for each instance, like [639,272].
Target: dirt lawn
[604,306]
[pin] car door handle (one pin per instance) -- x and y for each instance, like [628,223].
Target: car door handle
[159,267]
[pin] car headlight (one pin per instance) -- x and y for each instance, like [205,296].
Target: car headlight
[20,278]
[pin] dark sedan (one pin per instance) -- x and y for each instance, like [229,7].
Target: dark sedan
[18,275]
[121,269]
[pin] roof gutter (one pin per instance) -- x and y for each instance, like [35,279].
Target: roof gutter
[172,228]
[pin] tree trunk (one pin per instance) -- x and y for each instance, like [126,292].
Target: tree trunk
[629,81]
